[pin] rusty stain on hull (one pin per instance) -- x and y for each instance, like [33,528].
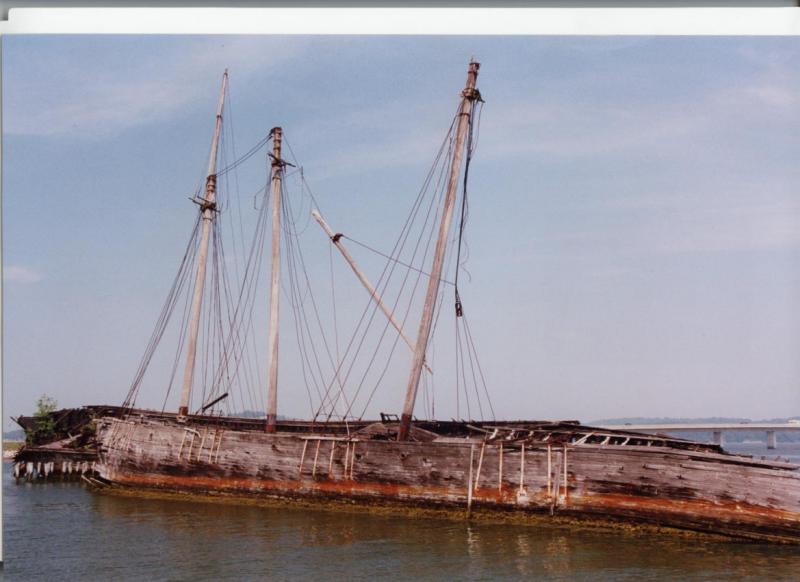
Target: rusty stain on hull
[692,488]
[694,516]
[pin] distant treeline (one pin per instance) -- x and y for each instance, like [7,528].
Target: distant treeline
[14,435]
[705,435]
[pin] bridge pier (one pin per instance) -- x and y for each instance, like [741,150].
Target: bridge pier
[716,430]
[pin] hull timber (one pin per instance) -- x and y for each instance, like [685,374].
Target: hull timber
[640,479]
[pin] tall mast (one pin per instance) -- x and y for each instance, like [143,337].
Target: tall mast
[468,96]
[207,207]
[274,297]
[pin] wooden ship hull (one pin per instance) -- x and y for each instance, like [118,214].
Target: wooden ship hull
[547,469]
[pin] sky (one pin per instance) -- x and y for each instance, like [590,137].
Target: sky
[634,227]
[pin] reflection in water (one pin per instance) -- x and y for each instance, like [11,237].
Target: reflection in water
[473,541]
[556,557]
[522,559]
[63,528]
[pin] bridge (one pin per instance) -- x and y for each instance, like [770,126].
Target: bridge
[716,429]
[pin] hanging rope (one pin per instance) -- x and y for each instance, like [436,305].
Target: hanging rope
[368,314]
[464,208]
[341,376]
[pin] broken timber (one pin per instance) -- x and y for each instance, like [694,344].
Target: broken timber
[336,240]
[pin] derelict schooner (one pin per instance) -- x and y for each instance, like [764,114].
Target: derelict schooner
[560,469]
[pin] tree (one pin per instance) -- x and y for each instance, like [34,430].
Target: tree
[45,424]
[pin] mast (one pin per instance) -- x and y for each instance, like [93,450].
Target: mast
[336,240]
[468,96]
[274,297]
[207,207]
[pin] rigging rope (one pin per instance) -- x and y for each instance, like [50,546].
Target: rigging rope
[165,315]
[229,363]
[389,258]
[388,270]
[464,211]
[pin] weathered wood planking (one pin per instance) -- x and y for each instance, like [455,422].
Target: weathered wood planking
[712,492]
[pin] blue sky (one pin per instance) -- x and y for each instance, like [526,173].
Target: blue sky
[635,220]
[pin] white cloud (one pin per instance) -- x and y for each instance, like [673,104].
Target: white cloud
[378,138]
[104,99]
[578,130]
[18,274]
[570,126]
[774,96]
[678,224]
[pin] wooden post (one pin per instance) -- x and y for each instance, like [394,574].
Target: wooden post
[549,470]
[522,469]
[500,470]
[468,96]
[191,444]
[316,456]
[202,442]
[480,465]
[219,444]
[364,281]
[183,440]
[302,459]
[213,443]
[207,207]
[274,297]
[469,480]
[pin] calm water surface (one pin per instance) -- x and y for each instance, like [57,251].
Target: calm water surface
[62,531]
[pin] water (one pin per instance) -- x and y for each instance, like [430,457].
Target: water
[63,531]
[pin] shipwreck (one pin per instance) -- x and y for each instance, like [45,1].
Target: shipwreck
[526,467]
